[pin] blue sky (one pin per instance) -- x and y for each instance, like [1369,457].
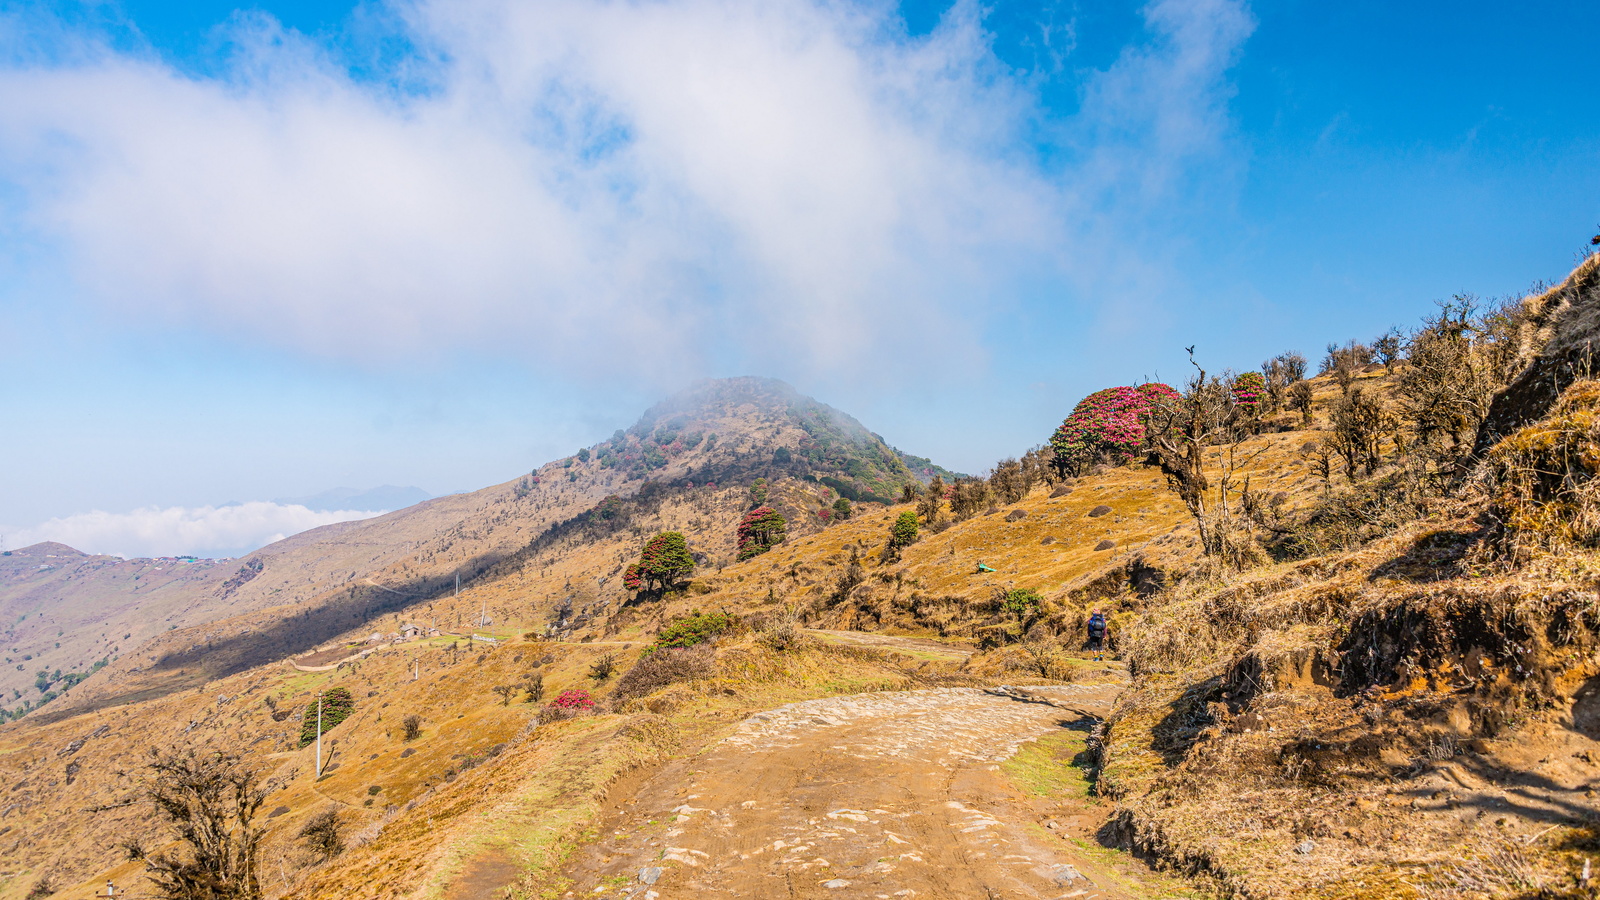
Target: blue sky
[259,252]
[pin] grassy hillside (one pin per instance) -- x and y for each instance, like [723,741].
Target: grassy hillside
[1359,654]
[698,450]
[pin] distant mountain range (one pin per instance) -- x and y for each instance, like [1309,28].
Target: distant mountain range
[385,497]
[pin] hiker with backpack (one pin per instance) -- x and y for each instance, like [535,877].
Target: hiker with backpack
[1097,634]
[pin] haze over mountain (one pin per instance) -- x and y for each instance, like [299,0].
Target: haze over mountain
[383,498]
[708,442]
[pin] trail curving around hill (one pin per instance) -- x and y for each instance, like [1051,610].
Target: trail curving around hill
[886,795]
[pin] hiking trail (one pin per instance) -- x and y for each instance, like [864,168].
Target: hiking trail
[883,795]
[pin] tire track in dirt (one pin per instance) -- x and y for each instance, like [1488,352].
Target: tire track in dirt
[883,795]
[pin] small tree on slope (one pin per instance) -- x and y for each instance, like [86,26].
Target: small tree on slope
[761,528]
[665,561]
[904,531]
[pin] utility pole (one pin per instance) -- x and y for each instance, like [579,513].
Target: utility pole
[319,736]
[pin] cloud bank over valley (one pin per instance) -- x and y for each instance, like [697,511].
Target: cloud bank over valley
[210,531]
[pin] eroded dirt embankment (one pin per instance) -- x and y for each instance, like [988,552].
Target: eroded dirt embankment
[878,795]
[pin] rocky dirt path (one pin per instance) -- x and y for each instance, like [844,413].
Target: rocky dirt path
[878,795]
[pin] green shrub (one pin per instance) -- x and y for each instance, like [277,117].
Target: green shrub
[903,533]
[337,705]
[1022,603]
[695,628]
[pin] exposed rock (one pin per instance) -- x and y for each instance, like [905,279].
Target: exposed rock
[1065,875]
[1105,545]
[1099,511]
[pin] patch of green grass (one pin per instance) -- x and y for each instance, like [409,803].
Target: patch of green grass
[1052,766]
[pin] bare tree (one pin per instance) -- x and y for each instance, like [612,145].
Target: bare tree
[1180,430]
[533,683]
[1008,483]
[1360,425]
[967,496]
[1281,372]
[928,506]
[210,799]
[1387,349]
[1346,362]
[1300,399]
[1453,371]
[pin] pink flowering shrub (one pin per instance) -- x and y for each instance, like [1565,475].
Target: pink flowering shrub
[1108,425]
[575,698]
[569,704]
[1248,390]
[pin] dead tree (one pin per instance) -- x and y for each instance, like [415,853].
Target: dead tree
[210,799]
[1179,431]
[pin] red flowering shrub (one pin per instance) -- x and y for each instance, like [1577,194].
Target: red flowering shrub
[1108,424]
[762,527]
[575,698]
[568,704]
[664,562]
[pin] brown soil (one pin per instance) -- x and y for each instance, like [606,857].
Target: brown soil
[876,795]
[327,657]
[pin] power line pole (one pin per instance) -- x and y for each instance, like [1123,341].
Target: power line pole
[319,735]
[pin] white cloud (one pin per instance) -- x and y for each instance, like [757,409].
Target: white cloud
[618,186]
[179,531]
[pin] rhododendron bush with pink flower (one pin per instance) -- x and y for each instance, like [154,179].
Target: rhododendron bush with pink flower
[1248,391]
[568,705]
[1107,425]
[576,698]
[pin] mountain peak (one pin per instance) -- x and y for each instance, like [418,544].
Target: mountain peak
[50,548]
[721,428]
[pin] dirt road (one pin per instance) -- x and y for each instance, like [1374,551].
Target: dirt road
[877,795]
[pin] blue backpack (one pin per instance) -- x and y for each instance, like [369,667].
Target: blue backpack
[1097,625]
